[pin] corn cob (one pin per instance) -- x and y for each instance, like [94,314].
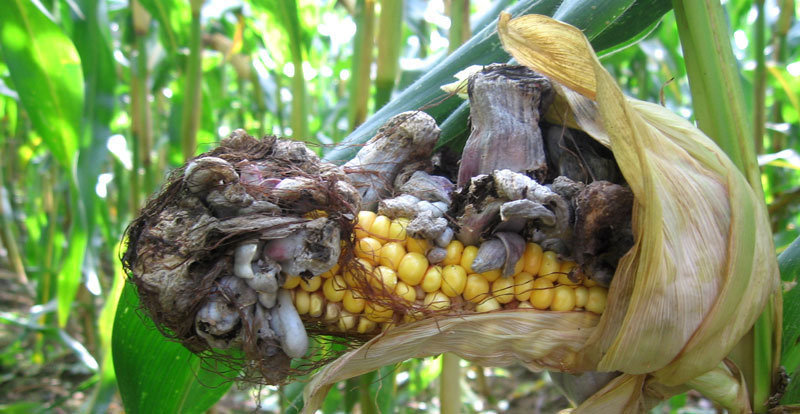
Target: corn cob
[390,281]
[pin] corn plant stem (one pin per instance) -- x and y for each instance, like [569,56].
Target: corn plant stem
[450,390]
[142,119]
[365,397]
[390,37]
[362,59]
[192,91]
[760,79]
[459,24]
[714,80]
[782,26]
[7,233]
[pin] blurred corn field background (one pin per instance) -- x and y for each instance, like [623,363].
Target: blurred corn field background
[99,99]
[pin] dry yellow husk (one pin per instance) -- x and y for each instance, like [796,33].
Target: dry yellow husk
[701,269]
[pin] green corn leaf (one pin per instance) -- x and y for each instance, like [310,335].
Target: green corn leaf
[789,262]
[46,71]
[155,375]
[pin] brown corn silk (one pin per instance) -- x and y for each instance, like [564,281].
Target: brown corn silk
[700,271]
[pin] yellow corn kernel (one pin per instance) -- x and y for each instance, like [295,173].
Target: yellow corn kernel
[523,286]
[406,292]
[563,298]
[412,268]
[365,220]
[397,230]
[334,288]
[311,285]
[581,296]
[597,299]
[315,305]
[532,258]
[332,311]
[542,295]
[488,305]
[334,270]
[453,256]
[353,273]
[589,282]
[420,246]
[377,312]
[477,288]
[291,282]
[353,302]
[390,254]
[503,289]
[563,276]
[347,321]
[383,278]
[367,249]
[380,228]
[365,325]
[436,301]
[467,256]
[492,275]
[454,279]
[432,280]
[550,266]
[524,305]
[302,301]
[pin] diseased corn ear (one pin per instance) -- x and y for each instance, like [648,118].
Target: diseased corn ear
[702,267]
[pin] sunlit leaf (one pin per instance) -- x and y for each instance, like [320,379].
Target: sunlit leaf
[47,75]
[155,375]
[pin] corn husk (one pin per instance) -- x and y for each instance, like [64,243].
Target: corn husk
[700,271]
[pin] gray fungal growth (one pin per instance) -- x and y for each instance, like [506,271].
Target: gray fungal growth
[211,252]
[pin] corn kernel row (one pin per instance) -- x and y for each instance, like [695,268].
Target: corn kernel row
[394,267]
